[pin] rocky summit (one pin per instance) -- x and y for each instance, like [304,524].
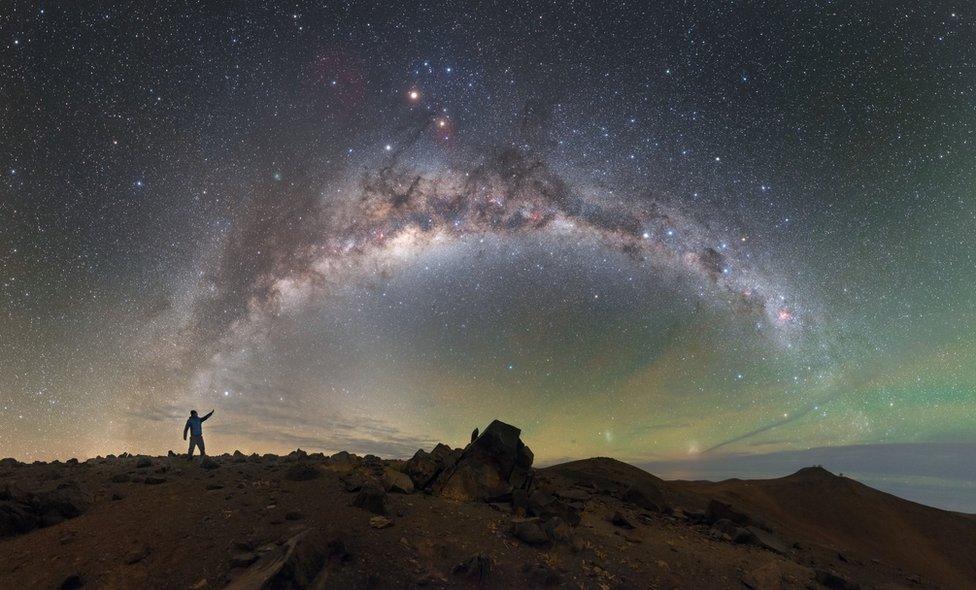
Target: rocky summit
[480,516]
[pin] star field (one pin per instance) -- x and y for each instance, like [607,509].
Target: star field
[654,233]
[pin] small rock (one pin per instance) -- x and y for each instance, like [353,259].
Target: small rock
[153,480]
[353,481]
[214,486]
[143,462]
[529,531]
[380,522]
[476,568]
[833,580]
[431,579]
[243,559]
[557,530]
[542,575]
[136,555]
[209,463]
[620,520]
[294,515]
[72,582]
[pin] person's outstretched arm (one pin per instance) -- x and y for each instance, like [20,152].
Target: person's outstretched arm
[207,416]
[185,429]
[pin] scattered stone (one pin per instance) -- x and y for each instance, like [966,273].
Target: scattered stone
[171,454]
[545,505]
[476,568]
[573,495]
[152,480]
[474,435]
[208,463]
[143,462]
[380,522]
[294,515]
[214,486]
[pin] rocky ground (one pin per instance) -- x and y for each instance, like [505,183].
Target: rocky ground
[474,517]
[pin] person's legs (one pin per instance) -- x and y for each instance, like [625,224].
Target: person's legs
[193,443]
[203,450]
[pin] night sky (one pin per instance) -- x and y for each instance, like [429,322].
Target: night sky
[669,233]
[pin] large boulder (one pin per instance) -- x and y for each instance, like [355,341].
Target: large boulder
[372,498]
[15,519]
[397,481]
[344,460]
[423,468]
[67,501]
[21,512]
[490,468]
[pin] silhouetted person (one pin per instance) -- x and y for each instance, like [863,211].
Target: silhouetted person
[194,424]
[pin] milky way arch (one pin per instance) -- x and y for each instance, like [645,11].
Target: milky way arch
[283,253]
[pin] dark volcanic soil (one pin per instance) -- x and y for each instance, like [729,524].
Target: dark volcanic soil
[180,524]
